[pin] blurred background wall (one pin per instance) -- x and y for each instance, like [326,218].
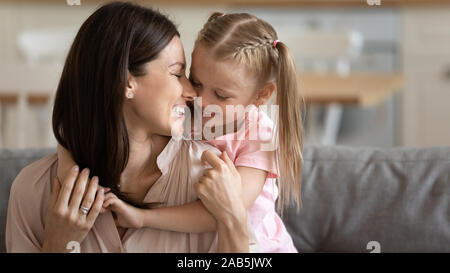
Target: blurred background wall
[372,75]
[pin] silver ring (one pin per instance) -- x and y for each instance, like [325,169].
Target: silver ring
[84,210]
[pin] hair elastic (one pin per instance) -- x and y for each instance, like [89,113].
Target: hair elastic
[275,43]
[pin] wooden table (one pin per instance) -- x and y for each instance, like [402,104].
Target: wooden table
[32,99]
[335,92]
[360,90]
[356,89]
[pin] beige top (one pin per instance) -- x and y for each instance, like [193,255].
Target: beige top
[180,166]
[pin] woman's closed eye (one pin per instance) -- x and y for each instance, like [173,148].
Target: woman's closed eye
[178,74]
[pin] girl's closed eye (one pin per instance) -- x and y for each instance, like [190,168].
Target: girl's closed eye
[194,83]
[220,96]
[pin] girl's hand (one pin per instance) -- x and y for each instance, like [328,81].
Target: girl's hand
[128,216]
[65,220]
[220,189]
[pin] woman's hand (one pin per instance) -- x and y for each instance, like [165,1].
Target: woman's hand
[220,188]
[65,220]
[128,216]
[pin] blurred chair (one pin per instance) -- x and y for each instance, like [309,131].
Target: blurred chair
[44,51]
[326,51]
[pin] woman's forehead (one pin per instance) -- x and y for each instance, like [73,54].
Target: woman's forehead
[173,53]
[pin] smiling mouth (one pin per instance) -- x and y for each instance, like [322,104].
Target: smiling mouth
[178,111]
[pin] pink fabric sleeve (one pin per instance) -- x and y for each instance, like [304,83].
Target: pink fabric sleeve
[256,150]
[24,224]
[251,155]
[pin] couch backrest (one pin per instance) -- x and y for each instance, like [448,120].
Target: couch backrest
[394,200]
[398,198]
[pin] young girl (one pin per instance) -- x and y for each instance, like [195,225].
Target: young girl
[238,61]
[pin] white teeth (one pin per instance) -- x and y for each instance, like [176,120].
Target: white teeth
[178,110]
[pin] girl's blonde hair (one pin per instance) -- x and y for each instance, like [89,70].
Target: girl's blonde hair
[250,41]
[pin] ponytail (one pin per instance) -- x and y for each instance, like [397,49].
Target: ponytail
[290,128]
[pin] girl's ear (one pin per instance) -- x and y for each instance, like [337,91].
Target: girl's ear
[131,86]
[264,94]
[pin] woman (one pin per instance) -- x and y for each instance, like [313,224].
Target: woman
[121,95]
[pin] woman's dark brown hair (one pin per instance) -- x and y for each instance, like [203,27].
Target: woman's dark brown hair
[88,114]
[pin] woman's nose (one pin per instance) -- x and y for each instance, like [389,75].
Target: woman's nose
[189,92]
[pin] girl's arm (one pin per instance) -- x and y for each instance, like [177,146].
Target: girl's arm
[194,217]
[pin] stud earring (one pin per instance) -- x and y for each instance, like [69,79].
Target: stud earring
[130,95]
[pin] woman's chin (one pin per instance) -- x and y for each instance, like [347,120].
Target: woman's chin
[177,129]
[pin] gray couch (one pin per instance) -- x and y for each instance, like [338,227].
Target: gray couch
[354,199]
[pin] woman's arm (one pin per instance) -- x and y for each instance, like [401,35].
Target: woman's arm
[224,200]
[233,237]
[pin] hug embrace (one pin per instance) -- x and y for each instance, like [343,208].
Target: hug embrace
[122,182]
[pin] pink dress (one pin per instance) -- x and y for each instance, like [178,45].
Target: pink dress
[249,148]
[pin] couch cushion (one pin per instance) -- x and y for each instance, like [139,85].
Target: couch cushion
[11,163]
[397,197]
